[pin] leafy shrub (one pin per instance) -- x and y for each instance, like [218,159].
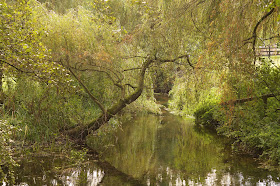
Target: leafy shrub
[205,115]
[7,163]
[42,111]
[254,125]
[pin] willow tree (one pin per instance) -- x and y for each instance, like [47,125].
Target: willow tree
[234,80]
[98,46]
[111,48]
[237,29]
[230,34]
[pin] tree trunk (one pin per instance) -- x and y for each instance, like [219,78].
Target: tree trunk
[81,132]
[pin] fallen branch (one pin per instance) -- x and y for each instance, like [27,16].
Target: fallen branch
[244,100]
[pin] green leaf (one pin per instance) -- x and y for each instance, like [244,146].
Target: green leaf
[25,46]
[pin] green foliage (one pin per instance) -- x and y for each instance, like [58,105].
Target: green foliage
[43,43]
[105,43]
[253,132]
[21,44]
[7,164]
[78,156]
[164,77]
[254,125]
[62,6]
[188,93]
[205,114]
[43,111]
[146,102]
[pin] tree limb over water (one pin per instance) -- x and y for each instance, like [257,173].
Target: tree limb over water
[80,132]
[244,100]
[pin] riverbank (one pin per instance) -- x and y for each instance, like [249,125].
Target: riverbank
[145,149]
[148,149]
[250,132]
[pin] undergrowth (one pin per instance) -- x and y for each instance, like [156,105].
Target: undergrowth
[254,126]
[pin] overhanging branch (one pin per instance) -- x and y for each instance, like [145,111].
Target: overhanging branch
[175,59]
[87,91]
[254,34]
[23,71]
[244,100]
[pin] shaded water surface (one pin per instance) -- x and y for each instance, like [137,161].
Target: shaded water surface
[153,150]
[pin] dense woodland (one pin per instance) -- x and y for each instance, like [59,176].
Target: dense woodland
[70,66]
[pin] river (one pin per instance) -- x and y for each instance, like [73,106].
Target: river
[152,150]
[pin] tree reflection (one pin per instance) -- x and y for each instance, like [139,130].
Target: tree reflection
[169,150]
[151,150]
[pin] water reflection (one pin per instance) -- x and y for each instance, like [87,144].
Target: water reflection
[151,150]
[91,177]
[47,171]
[52,170]
[167,150]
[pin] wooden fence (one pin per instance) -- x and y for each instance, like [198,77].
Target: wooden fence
[268,51]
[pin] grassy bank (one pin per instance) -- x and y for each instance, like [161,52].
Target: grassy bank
[241,107]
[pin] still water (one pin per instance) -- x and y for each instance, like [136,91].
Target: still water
[152,150]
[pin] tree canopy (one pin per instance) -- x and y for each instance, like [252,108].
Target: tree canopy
[70,66]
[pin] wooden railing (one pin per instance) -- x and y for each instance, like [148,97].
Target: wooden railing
[268,51]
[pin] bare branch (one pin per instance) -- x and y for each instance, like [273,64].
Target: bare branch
[175,59]
[131,57]
[254,35]
[18,69]
[134,87]
[272,37]
[137,68]
[116,83]
[23,71]
[115,73]
[166,61]
[244,100]
[88,92]
[244,44]
[199,30]
[95,70]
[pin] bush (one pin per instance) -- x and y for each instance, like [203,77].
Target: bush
[205,115]
[7,163]
[253,125]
